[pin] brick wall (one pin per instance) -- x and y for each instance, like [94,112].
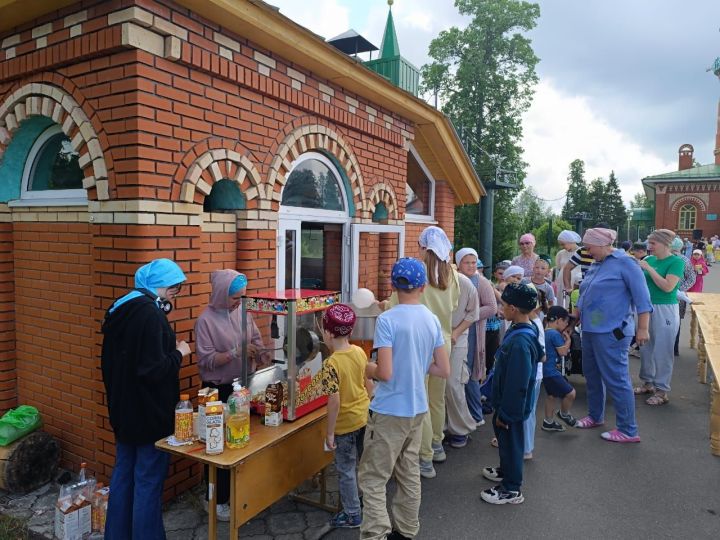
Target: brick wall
[56,370]
[8,375]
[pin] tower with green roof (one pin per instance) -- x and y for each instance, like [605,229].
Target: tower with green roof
[391,64]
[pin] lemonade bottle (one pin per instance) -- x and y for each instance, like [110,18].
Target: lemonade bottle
[238,422]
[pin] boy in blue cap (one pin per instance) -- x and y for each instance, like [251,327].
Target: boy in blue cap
[513,389]
[140,366]
[410,345]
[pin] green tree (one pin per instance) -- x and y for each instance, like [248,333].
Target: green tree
[616,213]
[640,200]
[484,75]
[576,199]
[547,244]
[596,202]
[530,210]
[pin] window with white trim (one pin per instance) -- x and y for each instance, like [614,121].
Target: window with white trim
[52,169]
[419,190]
[688,217]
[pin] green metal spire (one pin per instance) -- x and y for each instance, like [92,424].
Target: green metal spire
[390,47]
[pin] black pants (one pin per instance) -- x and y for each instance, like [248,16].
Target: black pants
[222,486]
[492,343]
[511,447]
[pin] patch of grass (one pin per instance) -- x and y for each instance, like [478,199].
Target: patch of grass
[12,528]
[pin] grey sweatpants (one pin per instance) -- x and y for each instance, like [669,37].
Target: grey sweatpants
[657,355]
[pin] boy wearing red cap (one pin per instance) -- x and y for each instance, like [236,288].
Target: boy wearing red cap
[347,387]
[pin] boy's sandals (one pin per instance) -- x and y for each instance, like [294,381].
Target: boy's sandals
[644,389]
[657,399]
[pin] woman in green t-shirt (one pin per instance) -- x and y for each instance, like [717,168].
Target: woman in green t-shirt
[663,272]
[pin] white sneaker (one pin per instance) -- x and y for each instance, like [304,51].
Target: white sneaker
[479,423]
[222,511]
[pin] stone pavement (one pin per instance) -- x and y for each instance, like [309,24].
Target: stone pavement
[185,518]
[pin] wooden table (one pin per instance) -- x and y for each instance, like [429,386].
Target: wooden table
[707,320]
[277,460]
[713,357]
[710,301]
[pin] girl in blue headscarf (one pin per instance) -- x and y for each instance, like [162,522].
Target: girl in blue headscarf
[140,366]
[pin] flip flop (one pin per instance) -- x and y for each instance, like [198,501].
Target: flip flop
[619,437]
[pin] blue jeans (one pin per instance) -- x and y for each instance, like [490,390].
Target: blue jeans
[472,388]
[605,366]
[347,456]
[135,505]
[529,424]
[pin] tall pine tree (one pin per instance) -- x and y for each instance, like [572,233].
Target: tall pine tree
[576,199]
[484,75]
[617,215]
[596,203]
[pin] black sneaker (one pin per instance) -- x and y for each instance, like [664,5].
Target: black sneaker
[553,425]
[394,535]
[493,473]
[498,495]
[568,418]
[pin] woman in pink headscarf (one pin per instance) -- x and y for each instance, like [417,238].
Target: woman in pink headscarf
[526,259]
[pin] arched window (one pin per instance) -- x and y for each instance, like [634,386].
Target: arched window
[52,169]
[688,215]
[225,196]
[314,183]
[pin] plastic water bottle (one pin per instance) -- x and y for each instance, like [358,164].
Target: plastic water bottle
[184,419]
[238,421]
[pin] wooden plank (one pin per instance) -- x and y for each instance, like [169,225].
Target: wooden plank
[267,476]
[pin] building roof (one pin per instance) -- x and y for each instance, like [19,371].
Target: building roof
[435,138]
[703,173]
[351,42]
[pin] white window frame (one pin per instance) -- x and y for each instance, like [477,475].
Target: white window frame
[357,229]
[300,212]
[46,197]
[422,218]
[694,217]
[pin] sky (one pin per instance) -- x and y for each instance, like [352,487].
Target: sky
[622,83]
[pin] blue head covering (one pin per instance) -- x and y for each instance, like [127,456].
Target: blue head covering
[157,273]
[240,282]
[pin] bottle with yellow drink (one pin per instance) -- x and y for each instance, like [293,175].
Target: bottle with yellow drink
[237,430]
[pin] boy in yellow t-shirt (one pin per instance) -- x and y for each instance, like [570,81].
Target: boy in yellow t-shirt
[348,389]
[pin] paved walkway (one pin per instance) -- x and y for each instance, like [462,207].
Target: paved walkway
[577,486]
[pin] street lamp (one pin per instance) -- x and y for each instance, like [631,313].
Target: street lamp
[503,179]
[579,218]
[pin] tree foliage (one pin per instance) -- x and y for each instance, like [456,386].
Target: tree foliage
[616,213]
[577,193]
[547,244]
[484,76]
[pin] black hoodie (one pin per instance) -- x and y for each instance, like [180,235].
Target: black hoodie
[140,367]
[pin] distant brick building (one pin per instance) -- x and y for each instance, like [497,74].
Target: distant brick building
[687,201]
[218,134]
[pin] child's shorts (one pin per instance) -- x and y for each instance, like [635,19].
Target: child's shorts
[557,386]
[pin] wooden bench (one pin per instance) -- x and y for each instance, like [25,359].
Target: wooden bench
[710,301]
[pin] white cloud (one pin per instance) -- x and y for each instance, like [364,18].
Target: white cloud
[560,128]
[327,18]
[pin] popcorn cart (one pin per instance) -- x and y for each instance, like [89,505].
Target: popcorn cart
[291,322]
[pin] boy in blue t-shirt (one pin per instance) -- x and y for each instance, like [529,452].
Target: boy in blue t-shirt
[513,392]
[410,345]
[557,344]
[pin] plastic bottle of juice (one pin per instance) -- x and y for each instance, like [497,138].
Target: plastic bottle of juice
[184,419]
[238,421]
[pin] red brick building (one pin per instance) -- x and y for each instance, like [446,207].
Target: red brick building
[687,201]
[218,134]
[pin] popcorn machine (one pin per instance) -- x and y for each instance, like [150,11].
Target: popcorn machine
[290,321]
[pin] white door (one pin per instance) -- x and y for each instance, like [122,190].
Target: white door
[288,260]
[359,234]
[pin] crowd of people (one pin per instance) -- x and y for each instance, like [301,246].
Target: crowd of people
[452,347]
